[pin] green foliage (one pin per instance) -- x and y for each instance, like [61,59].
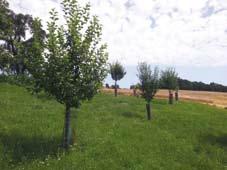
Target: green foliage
[169,79]
[35,59]
[75,61]
[5,60]
[117,71]
[20,80]
[114,136]
[200,86]
[149,80]
[13,35]
[136,86]
[5,21]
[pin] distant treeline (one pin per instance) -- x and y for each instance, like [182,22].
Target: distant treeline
[200,86]
[196,86]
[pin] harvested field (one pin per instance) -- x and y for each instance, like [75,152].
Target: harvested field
[218,99]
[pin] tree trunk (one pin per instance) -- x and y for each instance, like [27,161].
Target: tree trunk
[115,90]
[134,92]
[148,106]
[67,129]
[176,96]
[170,98]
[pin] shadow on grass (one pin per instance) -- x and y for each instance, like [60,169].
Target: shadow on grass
[220,140]
[131,115]
[18,147]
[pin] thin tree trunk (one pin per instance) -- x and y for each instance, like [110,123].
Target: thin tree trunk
[148,106]
[170,97]
[67,134]
[115,90]
[176,96]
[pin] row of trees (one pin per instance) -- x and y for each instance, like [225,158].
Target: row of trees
[117,72]
[149,81]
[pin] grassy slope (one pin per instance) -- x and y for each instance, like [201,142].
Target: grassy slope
[112,133]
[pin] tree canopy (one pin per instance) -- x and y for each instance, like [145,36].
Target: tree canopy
[117,71]
[169,78]
[13,31]
[149,80]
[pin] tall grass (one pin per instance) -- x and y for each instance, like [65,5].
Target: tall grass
[111,133]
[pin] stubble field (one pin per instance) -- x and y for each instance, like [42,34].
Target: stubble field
[218,99]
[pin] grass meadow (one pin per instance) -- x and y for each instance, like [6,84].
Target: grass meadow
[110,134]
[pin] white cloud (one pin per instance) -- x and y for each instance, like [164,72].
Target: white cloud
[172,32]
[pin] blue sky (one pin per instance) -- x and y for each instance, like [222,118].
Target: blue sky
[188,34]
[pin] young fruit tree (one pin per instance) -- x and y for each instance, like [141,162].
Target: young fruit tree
[117,72]
[169,81]
[72,63]
[149,84]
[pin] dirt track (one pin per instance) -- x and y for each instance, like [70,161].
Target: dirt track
[218,99]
